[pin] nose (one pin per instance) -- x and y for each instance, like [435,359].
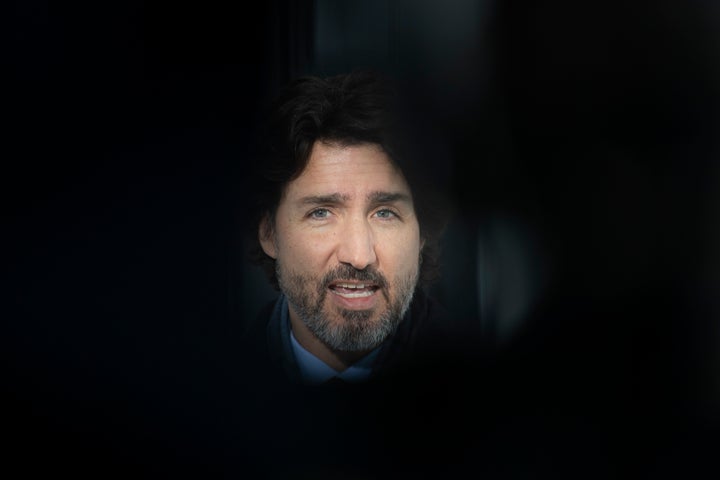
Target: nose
[357,244]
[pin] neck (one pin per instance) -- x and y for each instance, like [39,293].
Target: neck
[337,360]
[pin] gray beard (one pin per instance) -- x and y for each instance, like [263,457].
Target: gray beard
[357,330]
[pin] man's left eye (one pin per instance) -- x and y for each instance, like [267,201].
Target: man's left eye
[385,213]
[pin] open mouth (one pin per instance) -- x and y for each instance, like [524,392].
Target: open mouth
[353,289]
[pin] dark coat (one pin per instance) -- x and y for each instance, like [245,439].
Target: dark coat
[434,409]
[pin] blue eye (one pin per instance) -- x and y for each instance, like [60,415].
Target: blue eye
[385,213]
[320,213]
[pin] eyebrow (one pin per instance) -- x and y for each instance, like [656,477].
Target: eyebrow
[388,197]
[333,198]
[338,198]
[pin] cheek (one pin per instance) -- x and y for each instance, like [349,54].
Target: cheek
[401,254]
[306,252]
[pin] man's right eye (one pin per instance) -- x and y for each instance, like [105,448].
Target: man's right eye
[319,214]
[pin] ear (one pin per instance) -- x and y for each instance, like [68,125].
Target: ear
[266,235]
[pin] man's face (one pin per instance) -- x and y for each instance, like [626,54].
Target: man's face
[347,244]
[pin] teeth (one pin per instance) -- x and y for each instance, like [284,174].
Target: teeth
[365,293]
[351,285]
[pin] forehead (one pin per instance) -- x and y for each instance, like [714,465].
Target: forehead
[349,170]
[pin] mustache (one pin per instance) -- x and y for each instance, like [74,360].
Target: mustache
[346,272]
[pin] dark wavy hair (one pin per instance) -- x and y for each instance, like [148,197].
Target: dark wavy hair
[362,107]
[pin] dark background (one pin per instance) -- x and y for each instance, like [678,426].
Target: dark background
[578,145]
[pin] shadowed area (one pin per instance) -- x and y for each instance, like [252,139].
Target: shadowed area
[576,144]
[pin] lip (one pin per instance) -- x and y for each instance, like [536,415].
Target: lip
[363,299]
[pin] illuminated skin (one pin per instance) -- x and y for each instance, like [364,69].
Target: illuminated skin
[347,244]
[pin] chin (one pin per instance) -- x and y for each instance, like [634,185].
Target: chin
[358,330]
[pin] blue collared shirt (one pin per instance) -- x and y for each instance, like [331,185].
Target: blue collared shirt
[314,371]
